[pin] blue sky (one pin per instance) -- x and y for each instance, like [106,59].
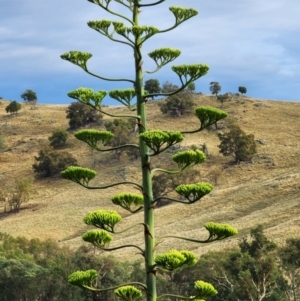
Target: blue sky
[245,43]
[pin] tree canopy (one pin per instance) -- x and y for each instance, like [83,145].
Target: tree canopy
[237,143]
[58,138]
[29,96]
[50,162]
[214,88]
[80,114]
[177,104]
[152,86]
[257,269]
[13,107]
[242,89]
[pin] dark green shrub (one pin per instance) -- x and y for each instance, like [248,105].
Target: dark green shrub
[242,90]
[59,138]
[50,162]
[152,86]
[80,115]
[178,104]
[13,107]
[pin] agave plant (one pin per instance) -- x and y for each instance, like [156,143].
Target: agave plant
[151,142]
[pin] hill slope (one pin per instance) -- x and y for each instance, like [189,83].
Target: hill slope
[266,192]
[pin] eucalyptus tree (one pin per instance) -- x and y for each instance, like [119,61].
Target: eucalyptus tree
[152,86]
[214,88]
[13,107]
[29,96]
[237,143]
[178,104]
[150,143]
[242,89]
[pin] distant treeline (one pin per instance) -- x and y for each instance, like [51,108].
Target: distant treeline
[36,270]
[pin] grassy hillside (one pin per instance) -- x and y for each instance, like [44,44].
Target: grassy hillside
[266,192]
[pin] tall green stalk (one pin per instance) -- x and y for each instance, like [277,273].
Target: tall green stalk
[151,143]
[145,167]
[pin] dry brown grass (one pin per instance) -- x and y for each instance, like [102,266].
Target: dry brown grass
[266,192]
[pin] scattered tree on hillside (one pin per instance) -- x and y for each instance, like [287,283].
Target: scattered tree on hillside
[237,143]
[242,90]
[222,98]
[80,114]
[151,143]
[13,107]
[50,162]
[168,87]
[178,104]
[214,88]
[59,138]
[19,194]
[29,96]
[152,86]
[22,192]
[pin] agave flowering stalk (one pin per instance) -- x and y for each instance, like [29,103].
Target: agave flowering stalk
[129,32]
